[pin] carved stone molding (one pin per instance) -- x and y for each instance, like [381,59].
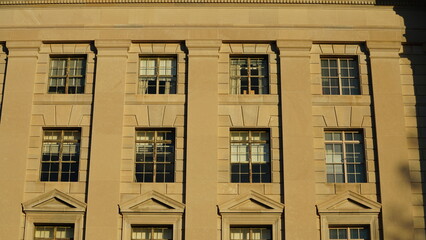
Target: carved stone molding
[42,2]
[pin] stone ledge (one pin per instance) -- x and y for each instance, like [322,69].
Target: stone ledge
[42,2]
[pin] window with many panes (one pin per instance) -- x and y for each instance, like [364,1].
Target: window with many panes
[155,155]
[67,75]
[61,154]
[157,75]
[151,233]
[54,232]
[345,156]
[250,158]
[249,75]
[349,233]
[250,233]
[340,76]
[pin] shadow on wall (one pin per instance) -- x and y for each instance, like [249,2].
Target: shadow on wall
[415,52]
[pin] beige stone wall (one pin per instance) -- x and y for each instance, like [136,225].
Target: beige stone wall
[412,65]
[147,111]
[350,112]
[247,112]
[59,111]
[202,113]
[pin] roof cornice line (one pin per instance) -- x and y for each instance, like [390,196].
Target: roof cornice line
[51,2]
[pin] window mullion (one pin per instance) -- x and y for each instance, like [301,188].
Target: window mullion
[61,146]
[344,157]
[249,75]
[250,157]
[339,74]
[68,60]
[157,76]
[154,174]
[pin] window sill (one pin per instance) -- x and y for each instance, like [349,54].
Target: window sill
[53,99]
[136,99]
[333,100]
[249,99]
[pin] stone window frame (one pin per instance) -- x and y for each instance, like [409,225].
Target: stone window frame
[68,59]
[268,142]
[54,208]
[152,208]
[251,209]
[348,229]
[251,228]
[37,140]
[138,50]
[152,229]
[339,76]
[155,141]
[371,172]
[157,75]
[343,142]
[50,50]
[61,142]
[55,228]
[349,209]
[236,90]
[248,49]
[329,50]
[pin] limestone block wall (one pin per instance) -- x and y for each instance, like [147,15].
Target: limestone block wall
[153,111]
[248,112]
[342,112]
[413,81]
[59,111]
[151,117]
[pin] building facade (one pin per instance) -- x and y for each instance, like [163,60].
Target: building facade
[227,120]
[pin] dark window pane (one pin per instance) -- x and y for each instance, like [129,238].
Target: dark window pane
[245,178]
[354,233]
[235,178]
[53,176]
[256,178]
[44,176]
[148,177]
[139,177]
[244,168]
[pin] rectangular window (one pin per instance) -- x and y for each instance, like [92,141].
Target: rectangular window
[340,76]
[52,232]
[345,156]
[250,161]
[67,75]
[249,75]
[157,75]
[61,154]
[155,156]
[349,233]
[250,233]
[151,233]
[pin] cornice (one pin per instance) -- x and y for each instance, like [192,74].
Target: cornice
[61,2]
[406,3]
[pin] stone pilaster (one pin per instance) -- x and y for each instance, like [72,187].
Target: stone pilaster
[106,144]
[14,127]
[297,140]
[391,140]
[201,139]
